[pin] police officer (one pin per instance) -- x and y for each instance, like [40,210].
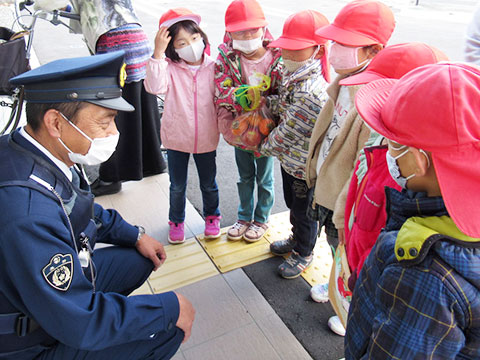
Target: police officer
[59,299]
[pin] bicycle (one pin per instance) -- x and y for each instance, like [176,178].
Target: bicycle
[15,57]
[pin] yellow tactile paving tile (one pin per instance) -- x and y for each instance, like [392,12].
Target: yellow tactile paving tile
[145,289]
[186,263]
[319,271]
[229,255]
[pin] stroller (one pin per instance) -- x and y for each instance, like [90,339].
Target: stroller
[13,61]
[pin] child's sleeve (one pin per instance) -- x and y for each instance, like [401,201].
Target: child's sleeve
[224,88]
[296,124]
[156,79]
[339,211]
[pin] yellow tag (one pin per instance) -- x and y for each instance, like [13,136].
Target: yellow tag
[123,75]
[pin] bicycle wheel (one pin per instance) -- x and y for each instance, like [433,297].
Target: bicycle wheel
[11,112]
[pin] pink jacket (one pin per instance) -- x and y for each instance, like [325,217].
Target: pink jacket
[189,121]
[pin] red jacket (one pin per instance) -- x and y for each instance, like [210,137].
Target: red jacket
[367,200]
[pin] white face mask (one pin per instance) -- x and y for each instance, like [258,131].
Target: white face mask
[344,57]
[394,169]
[291,66]
[100,148]
[193,52]
[248,46]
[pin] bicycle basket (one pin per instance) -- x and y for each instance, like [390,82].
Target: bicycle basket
[13,59]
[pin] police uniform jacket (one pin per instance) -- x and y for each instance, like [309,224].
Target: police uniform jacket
[41,276]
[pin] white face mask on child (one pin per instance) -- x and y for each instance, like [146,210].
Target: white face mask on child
[193,52]
[344,57]
[291,65]
[248,46]
[394,169]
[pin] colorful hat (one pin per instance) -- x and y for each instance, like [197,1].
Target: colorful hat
[176,15]
[361,23]
[395,61]
[244,15]
[435,108]
[96,79]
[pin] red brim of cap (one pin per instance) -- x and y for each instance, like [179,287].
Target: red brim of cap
[459,179]
[363,78]
[195,18]
[344,37]
[291,44]
[457,175]
[245,25]
[369,102]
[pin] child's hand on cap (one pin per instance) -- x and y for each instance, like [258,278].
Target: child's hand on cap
[161,42]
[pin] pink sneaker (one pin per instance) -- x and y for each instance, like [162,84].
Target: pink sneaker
[176,234]
[212,227]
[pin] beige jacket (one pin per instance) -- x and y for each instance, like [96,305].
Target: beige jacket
[332,182]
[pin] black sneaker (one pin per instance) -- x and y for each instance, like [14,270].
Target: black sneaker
[100,188]
[282,247]
[294,265]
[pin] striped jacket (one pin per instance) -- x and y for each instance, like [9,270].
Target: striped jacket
[301,98]
[418,294]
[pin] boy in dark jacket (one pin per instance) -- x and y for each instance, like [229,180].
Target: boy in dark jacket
[417,295]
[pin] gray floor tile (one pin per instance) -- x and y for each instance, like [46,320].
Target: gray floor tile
[218,310]
[248,294]
[245,343]
[280,337]
[178,356]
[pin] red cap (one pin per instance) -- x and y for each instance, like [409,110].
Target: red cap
[299,31]
[173,16]
[244,15]
[361,23]
[435,108]
[395,61]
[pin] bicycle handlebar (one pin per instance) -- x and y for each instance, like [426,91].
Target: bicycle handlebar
[67,15]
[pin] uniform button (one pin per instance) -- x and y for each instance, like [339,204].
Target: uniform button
[170,326]
[400,252]
[413,252]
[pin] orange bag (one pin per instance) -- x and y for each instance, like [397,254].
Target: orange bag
[250,128]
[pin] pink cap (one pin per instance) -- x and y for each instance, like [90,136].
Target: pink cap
[361,23]
[435,108]
[395,61]
[176,15]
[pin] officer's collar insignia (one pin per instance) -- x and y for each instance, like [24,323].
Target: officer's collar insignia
[59,271]
[123,75]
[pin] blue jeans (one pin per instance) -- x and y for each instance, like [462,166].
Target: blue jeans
[250,169]
[207,171]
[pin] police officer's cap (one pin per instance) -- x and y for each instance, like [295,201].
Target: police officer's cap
[96,79]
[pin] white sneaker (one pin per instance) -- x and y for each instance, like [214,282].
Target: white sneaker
[336,325]
[319,293]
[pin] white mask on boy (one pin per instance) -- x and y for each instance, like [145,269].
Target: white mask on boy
[291,65]
[193,52]
[248,46]
[344,57]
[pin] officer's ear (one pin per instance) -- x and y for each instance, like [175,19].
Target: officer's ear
[53,122]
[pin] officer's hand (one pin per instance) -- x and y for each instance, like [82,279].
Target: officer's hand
[186,316]
[161,42]
[151,249]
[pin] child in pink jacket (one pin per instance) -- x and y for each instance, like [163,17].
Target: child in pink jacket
[182,71]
